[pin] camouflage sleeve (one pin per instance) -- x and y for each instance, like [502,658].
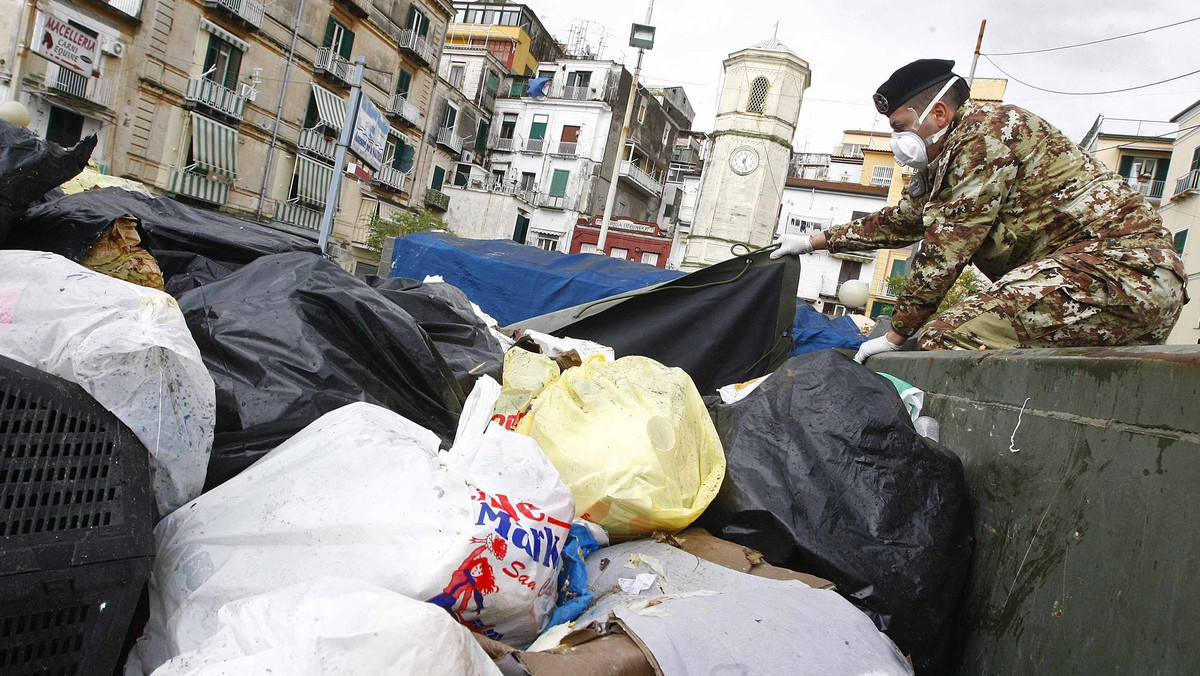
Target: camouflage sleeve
[889,228]
[958,220]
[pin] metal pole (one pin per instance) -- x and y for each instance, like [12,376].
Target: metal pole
[616,168]
[339,160]
[978,44]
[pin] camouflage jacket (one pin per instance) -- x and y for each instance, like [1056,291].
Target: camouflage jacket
[1007,189]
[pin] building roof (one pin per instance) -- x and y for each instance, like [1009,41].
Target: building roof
[864,132]
[838,186]
[1185,111]
[772,45]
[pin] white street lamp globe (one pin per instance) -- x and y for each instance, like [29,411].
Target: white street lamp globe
[854,293]
[15,112]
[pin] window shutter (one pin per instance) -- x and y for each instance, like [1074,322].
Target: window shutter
[1126,166]
[347,44]
[558,184]
[403,83]
[405,158]
[481,137]
[235,66]
[439,177]
[330,27]
[537,130]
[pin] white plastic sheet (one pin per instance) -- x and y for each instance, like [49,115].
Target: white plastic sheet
[333,626]
[128,346]
[364,493]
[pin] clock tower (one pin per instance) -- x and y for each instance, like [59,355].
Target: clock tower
[742,184]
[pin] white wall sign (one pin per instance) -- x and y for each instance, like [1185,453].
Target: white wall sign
[65,45]
[370,134]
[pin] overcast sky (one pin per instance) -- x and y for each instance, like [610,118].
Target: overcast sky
[852,47]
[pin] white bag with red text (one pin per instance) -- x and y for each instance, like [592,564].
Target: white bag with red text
[364,493]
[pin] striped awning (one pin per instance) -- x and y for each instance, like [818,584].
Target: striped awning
[312,181]
[214,146]
[238,43]
[331,108]
[397,134]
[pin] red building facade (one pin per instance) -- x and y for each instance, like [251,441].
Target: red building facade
[633,240]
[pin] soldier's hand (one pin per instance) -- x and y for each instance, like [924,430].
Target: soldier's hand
[793,245]
[877,346]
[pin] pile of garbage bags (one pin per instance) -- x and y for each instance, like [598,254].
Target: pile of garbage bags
[358,474]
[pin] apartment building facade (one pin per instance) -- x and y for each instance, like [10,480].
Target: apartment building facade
[1180,212]
[511,31]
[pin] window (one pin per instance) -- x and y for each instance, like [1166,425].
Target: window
[882,176]
[391,154]
[649,258]
[222,62]
[758,95]
[508,125]
[537,130]
[668,210]
[462,175]
[499,172]
[547,243]
[417,21]
[587,248]
[518,88]
[493,81]
[558,182]
[439,177]
[641,112]
[1181,241]
[64,127]
[855,215]
[622,209]
[666,133]
[403,82]
[451,115]
[481,137]
[404,157]
[339,39]
[548,74]
[570,133]
[528,180]
[579,78]
[617,252]
[849,270]
[521,230]
[458,72]
[1196,159]
[510,18]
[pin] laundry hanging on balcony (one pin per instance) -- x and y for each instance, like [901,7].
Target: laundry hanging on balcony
[331,109]
[214,147]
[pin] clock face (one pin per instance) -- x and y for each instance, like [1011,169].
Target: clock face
[744,160]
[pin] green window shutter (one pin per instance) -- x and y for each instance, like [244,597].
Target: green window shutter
[537,130]
[408,20]
[210,57]
[403,82]
[439,177]
[492,83]
[347,44]
[405,154]
[1196,159]
[311,115]
[481,137]
[235,65]
[668,211]
[518,88]
[451,116]
[1181,241]
[330,26]
[423,29]
[1126,166]
[558,184]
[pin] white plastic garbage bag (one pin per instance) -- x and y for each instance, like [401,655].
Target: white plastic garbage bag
[128,346]
[364,493]
[333,626]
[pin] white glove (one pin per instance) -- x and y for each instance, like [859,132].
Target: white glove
[794,245]
[873,347]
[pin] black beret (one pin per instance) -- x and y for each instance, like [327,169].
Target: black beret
[909,81]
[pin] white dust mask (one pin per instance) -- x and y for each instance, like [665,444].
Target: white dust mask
[908,147]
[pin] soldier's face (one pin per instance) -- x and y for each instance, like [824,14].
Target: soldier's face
[939,116]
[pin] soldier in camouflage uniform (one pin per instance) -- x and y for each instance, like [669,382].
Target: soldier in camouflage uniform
[1076,256]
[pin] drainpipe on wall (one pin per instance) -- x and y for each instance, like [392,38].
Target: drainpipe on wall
[287,70]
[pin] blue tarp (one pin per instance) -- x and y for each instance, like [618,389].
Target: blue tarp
[513,282]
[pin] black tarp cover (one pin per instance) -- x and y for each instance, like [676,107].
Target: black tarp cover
[825,474]
[726,323]
[31,167]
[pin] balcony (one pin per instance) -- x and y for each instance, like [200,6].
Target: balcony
[97,91]
[402,108]
[576,93]
[333,65]
[450,139]
[641,179]
[504,145]
[888,290]
[187,183]
[1190,182]
[300,216]
[131,7]
[413,43]
[390,178]
[217,98]
[247,12]
[437,199]
[1151,189]
[566,149]
[316,143]
[565,202]
[535,145]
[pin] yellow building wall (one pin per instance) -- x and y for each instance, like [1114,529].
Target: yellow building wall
[877,158]
[466,34]
[1109,151]
[1182,212]
[867,140]
[989,89]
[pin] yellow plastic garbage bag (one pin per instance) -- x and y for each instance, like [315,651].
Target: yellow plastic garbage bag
[525,374]
[633,441]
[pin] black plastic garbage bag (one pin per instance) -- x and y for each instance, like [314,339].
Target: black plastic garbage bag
[827,475]
[192,246]
[31,167]
[445,313]
[290,337]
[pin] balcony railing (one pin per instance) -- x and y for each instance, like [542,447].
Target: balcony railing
[411,41]
[888,289]
[437,199]
[504,145]
[390,178]
[249,12]
[1151,189]
[299,216]
[576,93]
[535,145]
[566,202]
[449,138]
[566,149]
[199,186]
[96,90]
[640,178]
[217,97]
[330,62]
[1189,182]
[314,141]
[404,109]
